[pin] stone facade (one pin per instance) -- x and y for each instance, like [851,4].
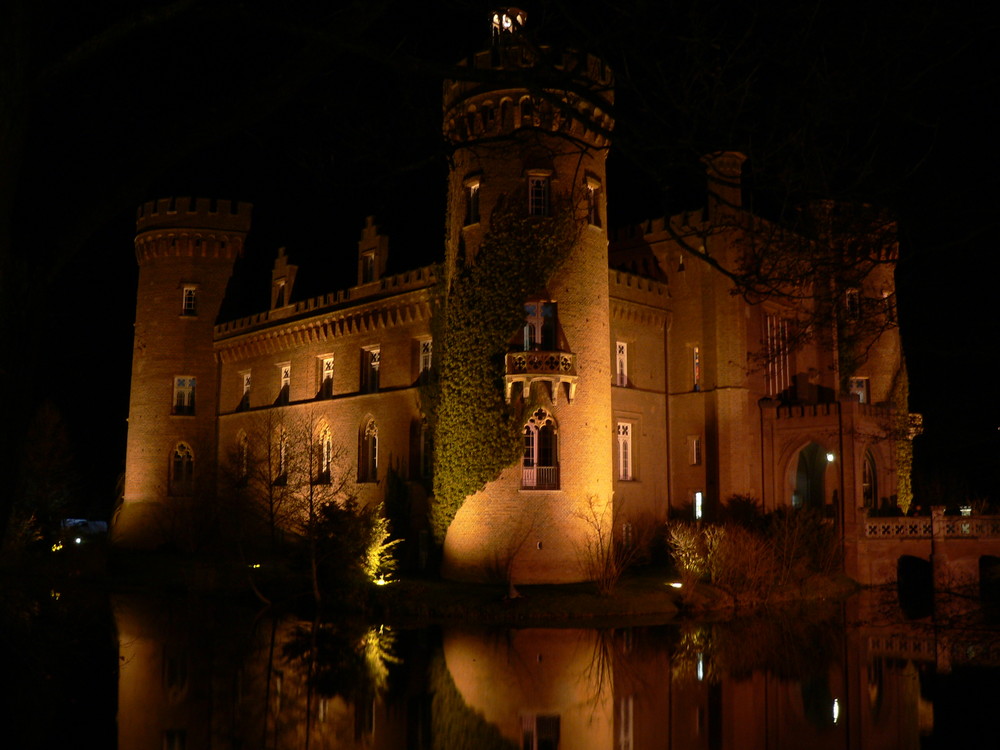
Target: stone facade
[648,395]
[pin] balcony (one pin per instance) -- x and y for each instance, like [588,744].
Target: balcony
[539,477]
[554,368]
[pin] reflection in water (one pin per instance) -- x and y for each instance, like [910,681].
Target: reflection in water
[197,676]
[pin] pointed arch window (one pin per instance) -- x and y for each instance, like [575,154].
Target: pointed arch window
[625,451]
[243,458]
[280,457]
[325,462]
[540,462]
[368,453]
[869,482]
[182,470]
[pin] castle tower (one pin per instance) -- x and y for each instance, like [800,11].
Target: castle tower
[540,151]
[185,248]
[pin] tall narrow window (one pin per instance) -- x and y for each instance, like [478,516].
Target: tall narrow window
[371,363]
[284,382]
[245,382]
[367,268]
[368,453]
[540,327]
[326,377]
[472,201]
[540,465]
[538,195]
[869,481]
[625,451]
[778,371]
[184,395]
[696,367]
[325,455]
[694,450]
[593,196]
[621,363]
[189,302]
[852,304]
[243,458]
[426,450]
[426,355]
[860,387]
[280,458]
[182,470]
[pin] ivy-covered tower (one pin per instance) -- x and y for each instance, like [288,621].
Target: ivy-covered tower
[531,140]
[186,248]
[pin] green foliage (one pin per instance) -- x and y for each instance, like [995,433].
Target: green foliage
[353,542]
[902,444]
[476,433]
[752,552]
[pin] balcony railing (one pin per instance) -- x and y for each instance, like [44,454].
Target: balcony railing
[553,367]
[539,477]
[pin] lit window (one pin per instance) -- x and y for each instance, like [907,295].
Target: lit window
[540,467]
[326,377]
[284,382]
[778,371]
[189,302]
[325,455]
[860,387]
[472,202]
[245,380]
[593,189]
[696,367]
[371,362]
[184,395]
[426,355]
[368,453]
[538,195]
[694,450]
[182,470]
[621,363]
[869,481]
[699,505]
[625,451]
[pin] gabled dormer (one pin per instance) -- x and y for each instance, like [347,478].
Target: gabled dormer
[282,281]
[373,252]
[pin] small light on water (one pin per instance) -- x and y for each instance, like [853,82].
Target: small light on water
[78,540]
[829,458]
[675,584]
[836,710]
[701,667]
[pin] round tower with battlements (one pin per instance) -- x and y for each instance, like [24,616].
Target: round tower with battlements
[530,127]
[186,248]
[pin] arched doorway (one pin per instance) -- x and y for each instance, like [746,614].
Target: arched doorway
[809,474]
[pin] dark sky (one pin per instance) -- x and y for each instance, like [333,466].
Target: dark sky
[321,116]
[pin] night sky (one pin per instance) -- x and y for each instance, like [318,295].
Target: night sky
[322,115]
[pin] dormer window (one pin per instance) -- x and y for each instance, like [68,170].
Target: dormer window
[540,326]
[539,191]
[367,268]
[593,196]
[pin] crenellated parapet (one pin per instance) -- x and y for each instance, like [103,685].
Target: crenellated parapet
[516,85]
[191,227]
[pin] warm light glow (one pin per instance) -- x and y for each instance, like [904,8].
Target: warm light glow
[701,667]
[380,582]
[675,584]
[254,565]
[57,546]
[55,594]
[697,505]
[836,710]
[829,458]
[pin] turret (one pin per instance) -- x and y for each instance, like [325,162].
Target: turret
[538,151]
[186,248]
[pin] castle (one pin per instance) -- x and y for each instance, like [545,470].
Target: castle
[643,386]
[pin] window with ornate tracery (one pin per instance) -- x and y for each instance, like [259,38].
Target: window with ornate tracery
[326,377]
[540,326]
[625,451]
[325,446]
[540,460]
[371,363]
[184,395]
[621,363]
[182,470]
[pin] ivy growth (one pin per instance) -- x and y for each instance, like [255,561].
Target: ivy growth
[476,433]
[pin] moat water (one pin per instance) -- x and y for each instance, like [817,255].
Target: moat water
[141,672]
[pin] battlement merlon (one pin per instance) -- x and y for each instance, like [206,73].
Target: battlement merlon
[193,214]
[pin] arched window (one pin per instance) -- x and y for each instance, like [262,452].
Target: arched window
[368,453]
[540,463]
[280,460]
[182,470]
[869,481]
[325,446]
